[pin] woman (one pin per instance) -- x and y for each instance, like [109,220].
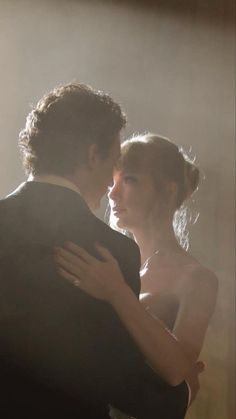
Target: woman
[152,180]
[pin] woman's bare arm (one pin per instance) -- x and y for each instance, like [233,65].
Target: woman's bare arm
[104,280]
[161,348]
[196,308]
[197,300]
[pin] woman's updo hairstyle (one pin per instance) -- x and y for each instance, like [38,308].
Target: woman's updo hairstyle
[164,161]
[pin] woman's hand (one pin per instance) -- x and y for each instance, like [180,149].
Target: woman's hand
[100,279]
[193,379]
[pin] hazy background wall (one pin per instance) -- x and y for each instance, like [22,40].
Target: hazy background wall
[171,65]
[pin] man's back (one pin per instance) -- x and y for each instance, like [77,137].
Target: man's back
[63,351]
[69,336]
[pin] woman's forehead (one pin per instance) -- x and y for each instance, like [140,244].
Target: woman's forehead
[136,164]
[120,172]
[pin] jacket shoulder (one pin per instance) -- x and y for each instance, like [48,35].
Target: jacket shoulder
[9,203]
[125,250]
[118,240]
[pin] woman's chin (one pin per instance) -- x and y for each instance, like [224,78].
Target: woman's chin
[122,223]
[119,224]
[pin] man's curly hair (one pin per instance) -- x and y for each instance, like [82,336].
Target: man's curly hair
[63,124]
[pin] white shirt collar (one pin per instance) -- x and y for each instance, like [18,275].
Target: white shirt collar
[54,180]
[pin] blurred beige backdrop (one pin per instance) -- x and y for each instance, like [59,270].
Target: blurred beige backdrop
[172,66]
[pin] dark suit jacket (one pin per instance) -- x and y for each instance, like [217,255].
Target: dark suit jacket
[63,353]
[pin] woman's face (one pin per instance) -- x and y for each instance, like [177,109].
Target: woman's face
[132,198]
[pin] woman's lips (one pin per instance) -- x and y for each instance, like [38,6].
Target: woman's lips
[118,211]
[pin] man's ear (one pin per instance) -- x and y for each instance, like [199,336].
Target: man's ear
[93,156]
[173,188]
[172,192]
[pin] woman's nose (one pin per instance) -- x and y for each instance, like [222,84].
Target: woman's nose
[114,192]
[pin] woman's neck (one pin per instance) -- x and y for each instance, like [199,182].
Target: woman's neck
[155,237]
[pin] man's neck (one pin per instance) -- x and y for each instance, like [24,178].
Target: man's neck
[54,180]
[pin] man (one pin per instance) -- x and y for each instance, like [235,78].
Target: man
[63,353]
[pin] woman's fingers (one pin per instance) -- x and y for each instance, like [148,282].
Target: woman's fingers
[71,278]
[104,252]
[69,266]
[70,257]
[83,285]
[89,273]
[87,257]
[79,251]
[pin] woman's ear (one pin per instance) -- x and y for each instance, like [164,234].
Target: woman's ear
[93,156]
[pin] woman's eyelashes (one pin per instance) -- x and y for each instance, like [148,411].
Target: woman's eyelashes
[124,180]
[130,179]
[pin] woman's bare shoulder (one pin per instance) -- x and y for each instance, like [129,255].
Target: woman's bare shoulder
[181,274]
[198,279]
